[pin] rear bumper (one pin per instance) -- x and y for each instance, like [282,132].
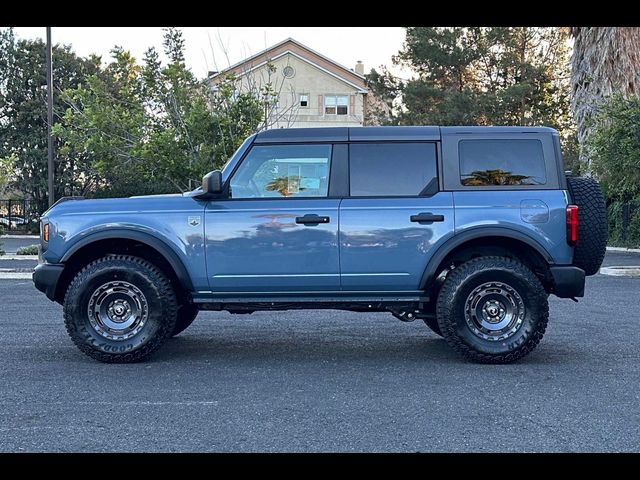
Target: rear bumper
[45,278]
[568,281]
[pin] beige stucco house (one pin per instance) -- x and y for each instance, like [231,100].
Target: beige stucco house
[306,88]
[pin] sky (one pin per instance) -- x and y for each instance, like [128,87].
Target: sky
[206,46]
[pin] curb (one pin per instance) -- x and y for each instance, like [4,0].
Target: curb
[35,237]
[623,249]
[621,271]
[13,256]
[16,275]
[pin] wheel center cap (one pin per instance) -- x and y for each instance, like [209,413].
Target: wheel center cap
[119,310]
[493,311]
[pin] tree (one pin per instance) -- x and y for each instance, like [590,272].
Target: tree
[104,122]
[605,61]
[482,76]
[494,177]
[7,173]
[614,142]
[23,127]
[614,147]
[384,91]
[154,128]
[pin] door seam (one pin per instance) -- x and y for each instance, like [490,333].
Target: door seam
[339,239]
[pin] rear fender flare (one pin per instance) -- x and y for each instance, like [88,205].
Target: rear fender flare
[459,239]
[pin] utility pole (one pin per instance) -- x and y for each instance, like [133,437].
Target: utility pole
[51,160]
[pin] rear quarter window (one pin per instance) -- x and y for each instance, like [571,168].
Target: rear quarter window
[501,163]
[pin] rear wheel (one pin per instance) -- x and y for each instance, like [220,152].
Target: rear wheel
[492,310]
[120,309]
[432,323]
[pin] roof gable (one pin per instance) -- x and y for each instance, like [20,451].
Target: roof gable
[304,53]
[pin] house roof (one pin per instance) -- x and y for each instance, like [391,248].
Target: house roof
[304,53]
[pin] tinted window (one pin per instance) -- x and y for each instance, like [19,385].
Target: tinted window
[391,169]
[501,162]
[283,171]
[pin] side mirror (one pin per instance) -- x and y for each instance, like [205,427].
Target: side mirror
[212,182]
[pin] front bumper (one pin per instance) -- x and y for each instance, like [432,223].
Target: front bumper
[45,278]
[568,281]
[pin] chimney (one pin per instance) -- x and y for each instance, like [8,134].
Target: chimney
[360,67]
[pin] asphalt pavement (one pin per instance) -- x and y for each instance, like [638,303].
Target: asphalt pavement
[325,381]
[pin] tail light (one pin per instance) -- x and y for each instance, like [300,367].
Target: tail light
[572,224]
[45,232]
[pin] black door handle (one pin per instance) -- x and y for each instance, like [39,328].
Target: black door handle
[426,218]
[312,219]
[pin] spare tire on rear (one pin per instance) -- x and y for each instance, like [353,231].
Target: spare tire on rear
[593,230]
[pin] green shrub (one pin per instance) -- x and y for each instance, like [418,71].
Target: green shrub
[1,233]
[614,148]
[28,250]
[616,225]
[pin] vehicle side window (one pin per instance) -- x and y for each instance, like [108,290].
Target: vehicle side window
[283,171]
[501,162]
[391,169]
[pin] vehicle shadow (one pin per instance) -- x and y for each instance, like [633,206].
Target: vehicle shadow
[300,351]
[325,344]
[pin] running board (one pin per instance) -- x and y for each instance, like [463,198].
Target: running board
[309,297]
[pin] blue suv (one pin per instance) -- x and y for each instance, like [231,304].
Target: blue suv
[469,229]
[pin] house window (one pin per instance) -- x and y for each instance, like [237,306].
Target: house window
[336,104]
[304,99]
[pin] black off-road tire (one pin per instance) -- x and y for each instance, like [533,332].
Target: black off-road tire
[432,323]
[458,287]
[593,229]
[159,296]
[187,313]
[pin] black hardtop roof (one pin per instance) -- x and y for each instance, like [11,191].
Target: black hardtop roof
[344,134]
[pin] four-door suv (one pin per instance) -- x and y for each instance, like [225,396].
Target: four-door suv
[467,228]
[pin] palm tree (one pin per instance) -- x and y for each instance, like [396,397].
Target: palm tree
[605,60]
[496,177]
[286,186]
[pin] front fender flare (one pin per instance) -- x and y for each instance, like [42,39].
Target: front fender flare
[161,246]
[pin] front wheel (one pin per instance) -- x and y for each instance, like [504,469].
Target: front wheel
[492,310]
[120,309]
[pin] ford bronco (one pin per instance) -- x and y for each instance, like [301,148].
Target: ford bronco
[469,229]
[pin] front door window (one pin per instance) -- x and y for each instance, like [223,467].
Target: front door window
[283,171]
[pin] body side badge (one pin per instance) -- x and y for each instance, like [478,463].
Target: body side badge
[194,221]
